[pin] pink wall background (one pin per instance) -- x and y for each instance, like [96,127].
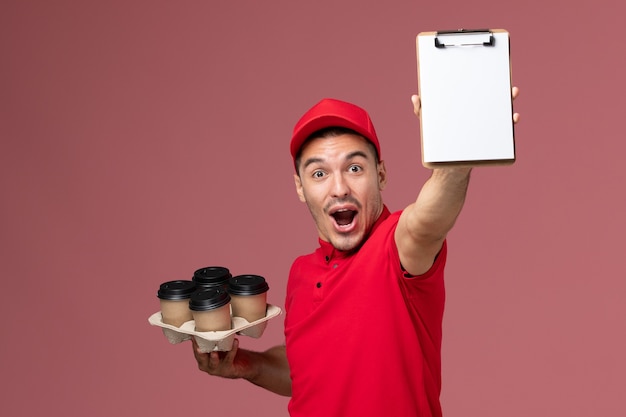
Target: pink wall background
[141,140]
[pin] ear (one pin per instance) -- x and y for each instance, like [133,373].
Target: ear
[382,175]
[299,189]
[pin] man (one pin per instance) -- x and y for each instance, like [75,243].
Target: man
[364,311]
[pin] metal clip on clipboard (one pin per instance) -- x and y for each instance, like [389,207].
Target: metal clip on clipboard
[464,37]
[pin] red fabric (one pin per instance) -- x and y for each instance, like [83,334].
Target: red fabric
[336,113]
[362,339]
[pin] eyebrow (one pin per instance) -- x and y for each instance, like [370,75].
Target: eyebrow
[354,154]
[348,157]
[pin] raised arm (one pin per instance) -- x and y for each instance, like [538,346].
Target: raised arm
[424,224]
[269,369]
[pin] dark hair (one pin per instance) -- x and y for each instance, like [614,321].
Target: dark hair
[331,132]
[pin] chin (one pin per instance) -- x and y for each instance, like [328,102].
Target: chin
[346,244]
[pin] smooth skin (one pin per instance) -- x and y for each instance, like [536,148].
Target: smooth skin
[341,174]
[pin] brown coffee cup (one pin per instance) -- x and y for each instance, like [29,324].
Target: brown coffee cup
[174,299]
[211,310]
[248,295]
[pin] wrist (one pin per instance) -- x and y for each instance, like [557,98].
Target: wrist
[452,174]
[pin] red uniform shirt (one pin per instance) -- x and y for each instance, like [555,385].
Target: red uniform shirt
[363,339]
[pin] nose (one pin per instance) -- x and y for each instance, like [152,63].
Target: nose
[340,187]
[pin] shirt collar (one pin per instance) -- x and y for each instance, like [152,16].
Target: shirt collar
[329,252]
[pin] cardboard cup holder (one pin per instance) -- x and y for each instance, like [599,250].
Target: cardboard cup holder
[219,340]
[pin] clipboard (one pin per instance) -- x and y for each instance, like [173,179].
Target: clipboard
[464,82]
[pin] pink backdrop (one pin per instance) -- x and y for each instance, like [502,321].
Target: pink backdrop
[141,140]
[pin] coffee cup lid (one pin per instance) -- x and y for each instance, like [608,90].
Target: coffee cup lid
[176,290]
[211,276]
[208,299]
[247,285]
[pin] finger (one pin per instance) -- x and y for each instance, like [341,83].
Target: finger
[230,356]
[514,94]
[417,104]
[214,359]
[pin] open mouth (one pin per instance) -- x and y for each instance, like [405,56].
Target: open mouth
[344,217]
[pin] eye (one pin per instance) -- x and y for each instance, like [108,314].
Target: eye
[318,174]
[355,168]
